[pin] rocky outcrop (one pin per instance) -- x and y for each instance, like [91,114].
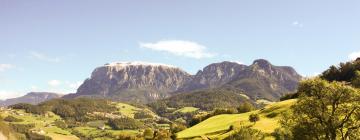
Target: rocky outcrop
[145,82]
[261,80]
[126,80]
[31,98]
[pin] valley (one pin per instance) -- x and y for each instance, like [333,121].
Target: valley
[226,101]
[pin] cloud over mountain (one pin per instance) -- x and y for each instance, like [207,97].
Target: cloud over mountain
[180,48]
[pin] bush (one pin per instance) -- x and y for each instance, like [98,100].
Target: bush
[12,119]
[22,128]
[29,108]
[220,111]
[289,96]
[246,133]
[61,124]
[162,135]
[148,134]
[272,115]
[124,123]
[142,115]
[35,136]
[282,134]
[245,107]
[254,118]
[175,127]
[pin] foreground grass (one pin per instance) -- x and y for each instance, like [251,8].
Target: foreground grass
[219,126]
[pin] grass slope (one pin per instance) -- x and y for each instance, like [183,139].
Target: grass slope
[186,110]
[218,126]
[130,111]
[41,123]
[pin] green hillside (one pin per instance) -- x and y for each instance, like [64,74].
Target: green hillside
[94,125]
[219,126]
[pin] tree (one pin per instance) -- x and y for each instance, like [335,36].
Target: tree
[245,107]
[148,134]
[254,118]
[246,133]
[324,111]
[356,79]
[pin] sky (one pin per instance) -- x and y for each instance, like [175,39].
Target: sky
[54,46]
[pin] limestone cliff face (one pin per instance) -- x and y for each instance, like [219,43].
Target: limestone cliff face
[215,75]
[145,82]
[154,81]
[261,80]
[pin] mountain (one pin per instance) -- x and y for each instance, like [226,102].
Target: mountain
[146,82]
[262,80]
[31,98]
[214,75]
[133,81]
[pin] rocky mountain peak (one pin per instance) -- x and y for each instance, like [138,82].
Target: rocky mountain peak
[152,80]
[262,63]
[144,82]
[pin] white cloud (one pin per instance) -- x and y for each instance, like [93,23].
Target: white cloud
[4,67]
[54,83]
[354,55]
[75,85]
[44,57]
[5,94]
[34,88]
[180,48]
[297,24]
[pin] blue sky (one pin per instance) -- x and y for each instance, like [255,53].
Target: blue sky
[54,45]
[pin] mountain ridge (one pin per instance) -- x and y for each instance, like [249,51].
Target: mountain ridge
[147,82]
[31,98]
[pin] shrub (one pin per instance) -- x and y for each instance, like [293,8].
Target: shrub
[282,134]
[148,134]
[61,124]
[36,136]
[246,133]
[245,107]
[29,108]
[124,123]
[12,119]
[22,128]
[175,127]
[254,118]
[142,115]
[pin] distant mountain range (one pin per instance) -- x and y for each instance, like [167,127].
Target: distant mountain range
[31,98]
[140,82]
[146,82]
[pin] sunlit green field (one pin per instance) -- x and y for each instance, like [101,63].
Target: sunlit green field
[218,126]
[42,123]
[187,110]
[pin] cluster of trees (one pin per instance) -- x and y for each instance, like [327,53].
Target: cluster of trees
[69,109]
[12,119]
[208,100]
[246,133]
[347,72]
[29,108]
[325,110]
[124,123]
